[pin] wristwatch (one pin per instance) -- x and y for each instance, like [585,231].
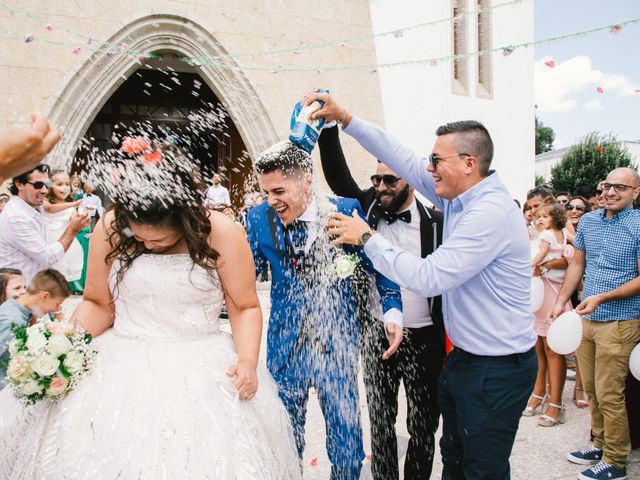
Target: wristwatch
[365,236]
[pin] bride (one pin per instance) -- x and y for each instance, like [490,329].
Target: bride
[169,396]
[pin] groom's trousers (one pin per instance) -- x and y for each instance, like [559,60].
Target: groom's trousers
[336,386]
[417,363]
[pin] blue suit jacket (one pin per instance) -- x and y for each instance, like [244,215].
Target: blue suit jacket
[335,302]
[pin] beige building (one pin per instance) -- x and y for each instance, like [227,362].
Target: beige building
[98,69]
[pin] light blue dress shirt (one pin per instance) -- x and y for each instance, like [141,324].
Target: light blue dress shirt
[11,312]
[483,267]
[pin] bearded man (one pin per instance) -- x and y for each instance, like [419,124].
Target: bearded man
[394,211]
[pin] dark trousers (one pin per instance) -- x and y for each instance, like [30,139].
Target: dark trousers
[632,399]
[417,363]
[481,399]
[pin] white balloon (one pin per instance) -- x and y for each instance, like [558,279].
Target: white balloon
[537,293]
[634,362]
[565,334]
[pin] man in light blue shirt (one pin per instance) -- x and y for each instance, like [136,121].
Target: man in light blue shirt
[482,270]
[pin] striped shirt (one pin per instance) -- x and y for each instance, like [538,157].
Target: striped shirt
[612,250]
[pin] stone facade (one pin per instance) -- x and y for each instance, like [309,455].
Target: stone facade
[70,88]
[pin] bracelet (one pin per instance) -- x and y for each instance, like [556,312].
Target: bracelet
[344,117]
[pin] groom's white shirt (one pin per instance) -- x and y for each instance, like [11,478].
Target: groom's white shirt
[310,216]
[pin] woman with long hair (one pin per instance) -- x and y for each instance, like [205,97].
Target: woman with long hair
[170,395]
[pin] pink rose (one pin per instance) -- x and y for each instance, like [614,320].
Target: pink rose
[60,328]
[57,386]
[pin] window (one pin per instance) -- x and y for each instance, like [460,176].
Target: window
[483,59]
[459,64]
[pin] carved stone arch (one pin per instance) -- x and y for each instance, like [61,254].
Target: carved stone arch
[86,89]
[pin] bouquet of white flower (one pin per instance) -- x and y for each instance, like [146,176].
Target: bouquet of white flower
[47,359]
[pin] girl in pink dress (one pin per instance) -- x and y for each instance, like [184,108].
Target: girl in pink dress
[550,219]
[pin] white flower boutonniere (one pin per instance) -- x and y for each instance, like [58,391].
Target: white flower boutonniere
[345,265]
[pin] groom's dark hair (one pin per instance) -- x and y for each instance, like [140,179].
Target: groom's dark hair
[286,157]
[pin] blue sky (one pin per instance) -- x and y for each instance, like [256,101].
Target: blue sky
[567,95]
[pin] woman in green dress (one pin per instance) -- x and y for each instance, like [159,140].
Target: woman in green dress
[77,286]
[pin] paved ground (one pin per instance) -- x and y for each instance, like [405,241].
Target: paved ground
[538,453]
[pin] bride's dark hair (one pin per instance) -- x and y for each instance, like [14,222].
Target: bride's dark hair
[162,194]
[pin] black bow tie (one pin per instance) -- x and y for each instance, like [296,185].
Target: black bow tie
[393,217]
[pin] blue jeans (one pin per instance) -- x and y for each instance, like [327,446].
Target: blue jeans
[481,399]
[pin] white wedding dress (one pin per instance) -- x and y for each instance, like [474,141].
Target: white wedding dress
[157,403]
[70,265]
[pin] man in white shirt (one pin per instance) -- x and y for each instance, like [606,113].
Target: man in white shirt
[22,242]
[216,195]
[399,217]
[93,204]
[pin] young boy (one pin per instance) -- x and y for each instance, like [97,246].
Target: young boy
[45,294]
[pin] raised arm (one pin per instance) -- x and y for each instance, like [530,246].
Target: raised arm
[238,279]
[402,160]
[334,166]
[21,149]
[96,312]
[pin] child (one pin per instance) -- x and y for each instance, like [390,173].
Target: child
[45,294]
[11,284]
[58,208]
[550,221]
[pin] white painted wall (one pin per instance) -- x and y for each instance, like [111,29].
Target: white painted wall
[417,99]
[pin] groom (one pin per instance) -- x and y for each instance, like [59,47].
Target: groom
[313,336]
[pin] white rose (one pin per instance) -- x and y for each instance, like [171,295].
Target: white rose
[35,328]
[344,266]
[13,348]
[58,345]
[18,368]
[36,340]
[74,361]
[45,366]
[30,387]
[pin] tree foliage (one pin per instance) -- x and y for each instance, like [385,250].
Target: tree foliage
[544,137]
[588,162]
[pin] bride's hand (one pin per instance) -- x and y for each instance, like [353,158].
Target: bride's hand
[244,379]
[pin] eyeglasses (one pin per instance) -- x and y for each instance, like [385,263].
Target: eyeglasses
[389,180]
[38,185]
[434,160]
[618,187]
[579,208]
[562,202]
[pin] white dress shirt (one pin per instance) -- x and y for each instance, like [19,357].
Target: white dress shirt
[310,216]
[415,308]
[91,200]
[217,194]
[22,240]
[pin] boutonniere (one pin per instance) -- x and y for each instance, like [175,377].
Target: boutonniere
[344,265]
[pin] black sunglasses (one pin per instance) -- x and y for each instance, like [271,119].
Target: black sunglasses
[389,180]
[434,160]
[38,185]
[580,208]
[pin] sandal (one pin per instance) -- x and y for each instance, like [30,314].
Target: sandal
[548,421]
[531,411]
[580,402]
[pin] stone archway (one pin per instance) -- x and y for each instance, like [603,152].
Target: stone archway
[85,90]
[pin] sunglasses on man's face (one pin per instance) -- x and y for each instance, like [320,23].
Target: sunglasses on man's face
[579,208]
[39,185]
[389,180]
